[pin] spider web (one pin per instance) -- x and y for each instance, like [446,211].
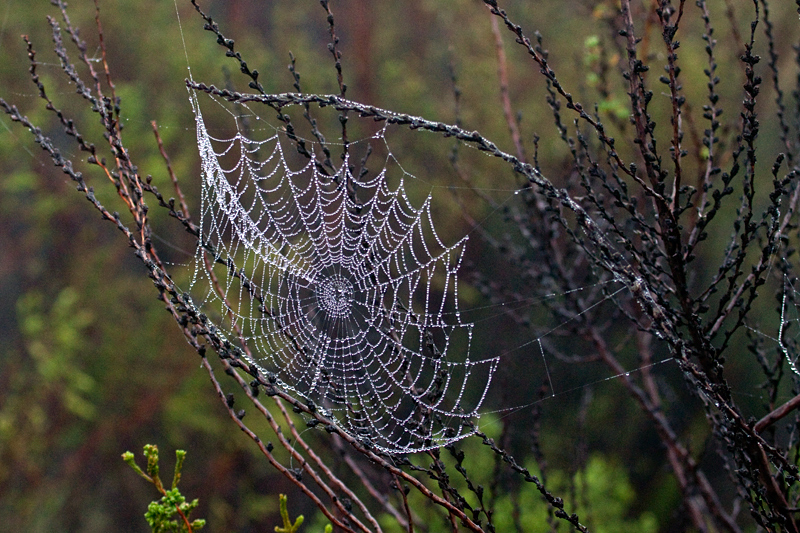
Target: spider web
[343,291]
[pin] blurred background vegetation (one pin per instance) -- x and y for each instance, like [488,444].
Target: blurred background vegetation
[91,365]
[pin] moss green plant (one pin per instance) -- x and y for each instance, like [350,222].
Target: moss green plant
[160,513]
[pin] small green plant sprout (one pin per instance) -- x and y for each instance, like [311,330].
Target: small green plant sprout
[159,513]
[288,527]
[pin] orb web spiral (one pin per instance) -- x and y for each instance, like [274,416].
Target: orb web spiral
[343,291]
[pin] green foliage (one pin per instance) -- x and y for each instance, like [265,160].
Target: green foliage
[288,526]
[609,497]
[55,339]
[595,61]
[605,498]
[160,513]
